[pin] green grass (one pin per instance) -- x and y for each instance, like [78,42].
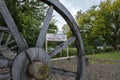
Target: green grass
[108,56]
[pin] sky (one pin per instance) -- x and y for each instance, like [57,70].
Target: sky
[73,6]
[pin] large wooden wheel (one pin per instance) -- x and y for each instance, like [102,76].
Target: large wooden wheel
[8,50]
[35,62]
[7,41]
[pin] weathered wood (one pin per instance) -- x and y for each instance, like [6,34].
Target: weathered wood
[8,39]
[19,67]
[5,76]
[44,28]
[12,26]
[62,46]
[22,61]
[63,72]
[7,53]
[4,70]
[39,71]
[14,47]
[75,30]
[2,57]
[80,67]
[1,37]
[3,28]
[37,54]
[5,63]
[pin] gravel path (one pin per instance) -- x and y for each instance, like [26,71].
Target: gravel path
[98,71]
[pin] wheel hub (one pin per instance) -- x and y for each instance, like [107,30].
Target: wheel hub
[34,61]
[39,70]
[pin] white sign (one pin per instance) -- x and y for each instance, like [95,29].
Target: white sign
[56,37]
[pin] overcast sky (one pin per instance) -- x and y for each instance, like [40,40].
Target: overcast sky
[73,6]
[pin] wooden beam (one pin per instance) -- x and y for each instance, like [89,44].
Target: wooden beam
[62,46]
[44,28]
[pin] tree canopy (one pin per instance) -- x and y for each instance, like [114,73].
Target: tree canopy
[100,25]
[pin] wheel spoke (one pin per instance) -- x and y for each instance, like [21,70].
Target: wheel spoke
[62,46]
[14,47]
[5,63]
[22,44]
[63,72]
[1,38]
[3,28]
[44,28]
[8,39]
[4,76]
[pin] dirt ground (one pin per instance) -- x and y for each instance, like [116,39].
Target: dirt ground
[96,70]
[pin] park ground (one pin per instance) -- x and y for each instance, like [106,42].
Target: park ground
[102,66]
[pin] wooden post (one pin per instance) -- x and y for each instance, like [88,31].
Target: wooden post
[39,70]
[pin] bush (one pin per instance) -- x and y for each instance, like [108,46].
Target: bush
[108,49]
[89,49]
[71,51]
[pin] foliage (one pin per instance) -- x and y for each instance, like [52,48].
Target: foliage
[28,15]
[100,24]
[108,55]
[53,27]
[66,30]
[72,52]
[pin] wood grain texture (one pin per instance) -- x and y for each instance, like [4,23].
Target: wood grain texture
[21,62]
[3,28]
[80,67]
[39,70]
[75,30]
[5,76]
[12,26]
[62,46]
[5,63]
[19,67]
[44,28]
[1,37]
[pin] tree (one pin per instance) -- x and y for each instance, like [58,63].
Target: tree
[53,27]
[101,23]
[28,15]
[66,30]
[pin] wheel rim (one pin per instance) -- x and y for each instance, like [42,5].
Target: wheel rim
[75,30]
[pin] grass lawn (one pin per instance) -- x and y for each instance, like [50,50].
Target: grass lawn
[108,55]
